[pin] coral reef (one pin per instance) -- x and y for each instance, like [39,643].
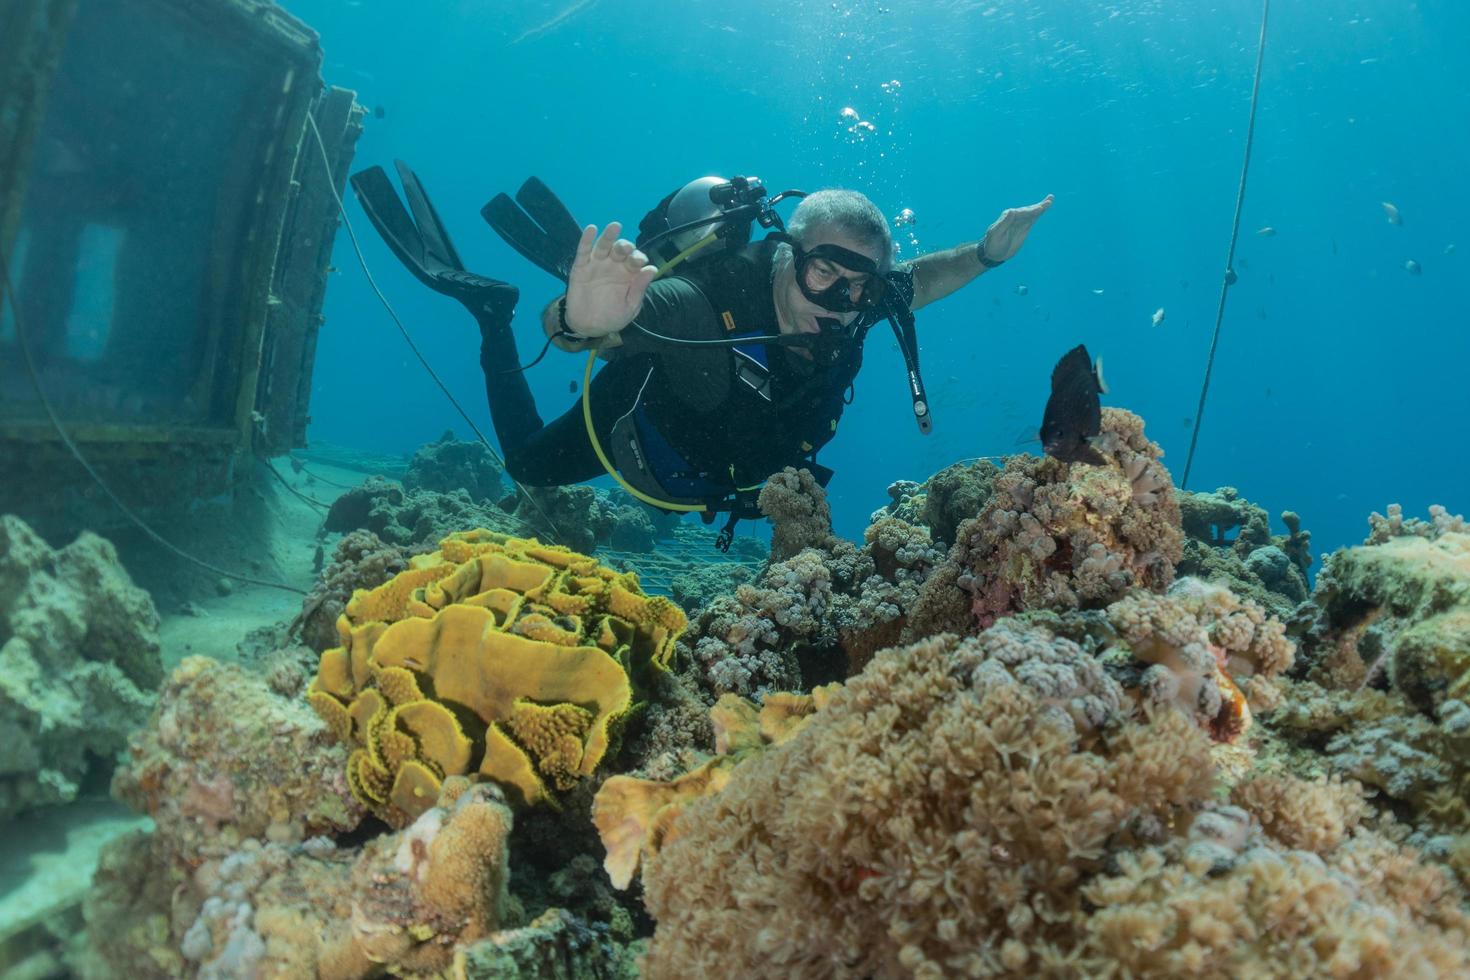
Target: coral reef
[449,465]
[816,615]
[413,519]
[635,816]
[79,661]
[1384,676]
[187,770]
[583,517]
[497,656]
[361,561]
[580,517]
[1269,569]
[962,808]
[1056,535]
[797,508]
[702,584]
[402,904]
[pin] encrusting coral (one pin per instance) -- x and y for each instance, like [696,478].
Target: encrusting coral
[1383,688]
[496,656]
[402,905]
[187,771]
[79,661]
[955,811]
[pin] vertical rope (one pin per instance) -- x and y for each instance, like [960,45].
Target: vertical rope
[1228,278]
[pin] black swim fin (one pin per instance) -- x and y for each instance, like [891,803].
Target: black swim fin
[421,241]
[537,225]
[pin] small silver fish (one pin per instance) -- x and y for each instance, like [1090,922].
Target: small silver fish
[1158,316]
[1022,289]
[1266,232]
[1449,249]
[1392,214]
[1412,268]
[1097,292]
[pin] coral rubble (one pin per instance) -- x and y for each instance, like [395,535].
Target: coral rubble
[79,661]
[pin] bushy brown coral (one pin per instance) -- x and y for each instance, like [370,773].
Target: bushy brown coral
[1202,644]
[796,505]
[1057,535]
[815,616]
[958,810]
[934,810]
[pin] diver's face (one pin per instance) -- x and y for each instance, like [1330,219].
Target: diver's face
[821,274]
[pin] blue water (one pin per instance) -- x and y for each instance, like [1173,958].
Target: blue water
[1340,382]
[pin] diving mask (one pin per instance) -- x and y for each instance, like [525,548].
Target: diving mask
[819,274]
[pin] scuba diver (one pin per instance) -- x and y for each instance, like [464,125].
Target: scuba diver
[727,361]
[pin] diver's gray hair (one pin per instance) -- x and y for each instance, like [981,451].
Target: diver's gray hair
[847,212]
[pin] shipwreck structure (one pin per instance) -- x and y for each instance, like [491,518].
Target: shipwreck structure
[169,178]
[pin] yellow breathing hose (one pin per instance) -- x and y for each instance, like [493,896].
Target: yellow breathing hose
[612,471]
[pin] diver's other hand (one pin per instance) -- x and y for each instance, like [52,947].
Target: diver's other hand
[1005,235]
[607,282]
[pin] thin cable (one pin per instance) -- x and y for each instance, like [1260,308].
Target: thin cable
[1229,275]
[310,500]
[25,350]
[362,261]
[319,478]
[535,361]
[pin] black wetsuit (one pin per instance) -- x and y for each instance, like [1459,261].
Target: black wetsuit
[702,401]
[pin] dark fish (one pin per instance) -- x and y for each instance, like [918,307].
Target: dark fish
[573,386]
[379,112]
[1073,412]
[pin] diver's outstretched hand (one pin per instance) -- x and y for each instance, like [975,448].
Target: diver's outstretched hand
[607,282]
[1005,235]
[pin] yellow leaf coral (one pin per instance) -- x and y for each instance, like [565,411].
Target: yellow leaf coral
[494,656]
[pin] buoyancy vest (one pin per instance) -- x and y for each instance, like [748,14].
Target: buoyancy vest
[780,410]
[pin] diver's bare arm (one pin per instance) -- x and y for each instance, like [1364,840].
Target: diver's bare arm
[941,273]
[938,274]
